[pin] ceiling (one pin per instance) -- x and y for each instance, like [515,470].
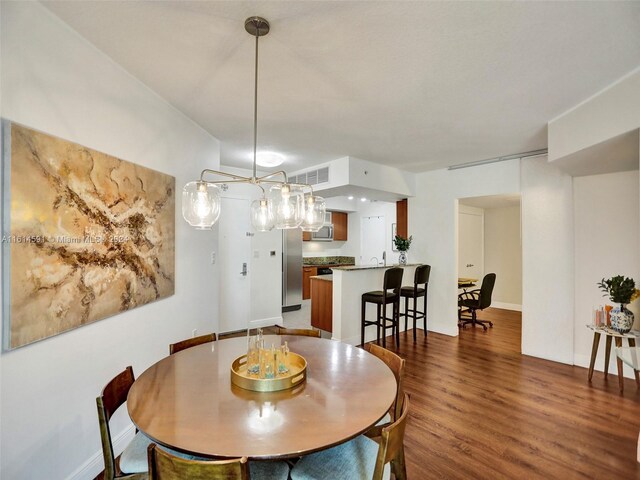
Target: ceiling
[417,85]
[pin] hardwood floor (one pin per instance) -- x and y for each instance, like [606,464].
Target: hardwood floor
[481,410]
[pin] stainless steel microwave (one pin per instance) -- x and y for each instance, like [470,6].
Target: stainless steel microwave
[325,234]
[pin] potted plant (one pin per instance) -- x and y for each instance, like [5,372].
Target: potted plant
[402,245]
[621,290]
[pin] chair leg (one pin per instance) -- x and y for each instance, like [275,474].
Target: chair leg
[378,326]
[396,320]
[398,465]
[364,310]
[382,322]
[406,312]
[425,311]
[415,313]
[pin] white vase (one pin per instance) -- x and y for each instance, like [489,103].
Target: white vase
[621,319]
[402,259]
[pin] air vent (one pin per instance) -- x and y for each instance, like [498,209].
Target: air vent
[313,177]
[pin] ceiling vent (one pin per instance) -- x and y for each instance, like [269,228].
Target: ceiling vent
[312,177]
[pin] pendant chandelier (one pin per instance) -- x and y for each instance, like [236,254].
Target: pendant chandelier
[282,204]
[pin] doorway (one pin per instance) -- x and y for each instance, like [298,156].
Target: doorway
[235,271]
[490,241]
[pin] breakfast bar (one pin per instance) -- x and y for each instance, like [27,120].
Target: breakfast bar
[349,283]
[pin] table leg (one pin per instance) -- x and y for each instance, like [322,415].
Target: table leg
[619,364]
[632,343]
[607,355]
[594,352]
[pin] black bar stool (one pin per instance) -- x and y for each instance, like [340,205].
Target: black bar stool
[392,281]
[421,277]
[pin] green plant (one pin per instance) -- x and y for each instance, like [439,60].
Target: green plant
[619,288]
[401,243]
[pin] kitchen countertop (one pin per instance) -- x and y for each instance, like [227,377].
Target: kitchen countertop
[326,261]
[326,278]
[372,267]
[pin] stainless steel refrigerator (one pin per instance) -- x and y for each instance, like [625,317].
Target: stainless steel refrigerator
[291,269]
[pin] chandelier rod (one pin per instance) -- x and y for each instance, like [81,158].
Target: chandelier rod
[255,104]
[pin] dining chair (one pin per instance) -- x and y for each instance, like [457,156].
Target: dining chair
[133,461]
[305,332]
[415,291]
[165,466]
[390,294]
[396,365]
[372,456]
[474,300]
[191,342]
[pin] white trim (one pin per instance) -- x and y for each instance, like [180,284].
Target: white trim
[92,467]
[507,306]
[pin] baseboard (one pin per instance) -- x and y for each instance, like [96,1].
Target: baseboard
[266,322]
[92,467]
[507,306]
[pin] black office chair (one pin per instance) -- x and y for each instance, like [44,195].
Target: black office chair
[475,300]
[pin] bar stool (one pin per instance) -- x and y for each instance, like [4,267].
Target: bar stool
[392,281]
[421,277]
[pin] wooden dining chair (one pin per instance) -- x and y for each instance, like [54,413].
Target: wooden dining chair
[133,460]
[191,342]
[396,365]
[305,332]
[373,456]
[165,466]
[133,463]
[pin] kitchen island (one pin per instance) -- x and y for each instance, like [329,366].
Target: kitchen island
[349,283]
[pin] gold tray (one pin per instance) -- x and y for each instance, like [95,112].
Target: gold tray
[297,374]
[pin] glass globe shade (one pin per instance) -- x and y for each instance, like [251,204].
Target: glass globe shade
[262,215]
[201,204]
[314,211]
[288,205]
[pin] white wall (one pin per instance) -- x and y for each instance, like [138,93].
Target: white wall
[547,261]
[54,81]
[607,236]
[433,222]
[503,255]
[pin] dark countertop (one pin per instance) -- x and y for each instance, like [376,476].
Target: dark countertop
[371,267]
[328,261]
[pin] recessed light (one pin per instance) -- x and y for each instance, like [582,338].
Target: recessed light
[269,159]
[350,197]
[363,199]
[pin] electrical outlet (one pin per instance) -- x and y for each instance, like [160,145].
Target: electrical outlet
[213,258]
[194,332]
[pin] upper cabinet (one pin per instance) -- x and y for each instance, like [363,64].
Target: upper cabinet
[340,221]
[340,226]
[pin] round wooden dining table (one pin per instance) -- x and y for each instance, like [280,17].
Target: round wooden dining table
[186,401]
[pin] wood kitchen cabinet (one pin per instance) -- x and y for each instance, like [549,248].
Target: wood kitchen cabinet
[340,222]
[322,304]
[307,273]
[306,236]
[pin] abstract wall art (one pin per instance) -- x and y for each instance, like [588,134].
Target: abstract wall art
[85,235]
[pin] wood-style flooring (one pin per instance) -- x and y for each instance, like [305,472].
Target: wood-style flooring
[481,410]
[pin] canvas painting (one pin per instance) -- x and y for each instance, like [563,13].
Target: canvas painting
[85,235]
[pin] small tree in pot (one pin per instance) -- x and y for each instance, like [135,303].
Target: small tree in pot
[620,290]
[402,245]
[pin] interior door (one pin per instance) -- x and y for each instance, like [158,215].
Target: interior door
[234,258]
[470,245]
[372,239]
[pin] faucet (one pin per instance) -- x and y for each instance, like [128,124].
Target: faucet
[384,257]
[376,259]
